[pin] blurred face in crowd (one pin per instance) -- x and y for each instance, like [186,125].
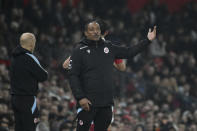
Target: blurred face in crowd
[156,80]
[195,115]
[54,109]
[139,128]
[92,31]
[181,127]
[4,122]
[3,108]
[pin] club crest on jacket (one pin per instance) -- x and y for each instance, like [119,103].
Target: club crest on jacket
[106,50]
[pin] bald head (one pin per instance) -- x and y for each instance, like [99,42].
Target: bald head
[27,41]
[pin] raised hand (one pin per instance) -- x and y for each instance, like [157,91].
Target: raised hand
[66,63]
[152,35]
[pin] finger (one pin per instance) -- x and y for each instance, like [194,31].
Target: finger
[149,30]
[89,102]
[88,107]
[155,29]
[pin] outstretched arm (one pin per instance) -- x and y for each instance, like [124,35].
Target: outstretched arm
[129,52]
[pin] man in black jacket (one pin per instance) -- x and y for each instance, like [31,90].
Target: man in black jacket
[91,76]
[25,73]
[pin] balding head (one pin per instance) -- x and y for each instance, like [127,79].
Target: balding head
[27,41]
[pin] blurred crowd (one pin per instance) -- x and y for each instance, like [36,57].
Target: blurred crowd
[158,90]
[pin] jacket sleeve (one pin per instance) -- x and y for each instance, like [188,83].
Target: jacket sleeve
[36,69]
[129,52]
[74,74]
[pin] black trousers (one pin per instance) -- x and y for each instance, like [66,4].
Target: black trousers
[25,110]
[101,116]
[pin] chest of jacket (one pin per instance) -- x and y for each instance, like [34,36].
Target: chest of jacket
[95,58]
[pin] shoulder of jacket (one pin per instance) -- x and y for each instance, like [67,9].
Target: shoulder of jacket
[28,58]
[81,46]
[108,43]
[24,57]
[23,60]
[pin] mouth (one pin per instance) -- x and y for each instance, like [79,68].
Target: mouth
[96,36]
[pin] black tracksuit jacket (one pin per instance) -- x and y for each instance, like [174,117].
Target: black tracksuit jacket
[92,69]
[25,73]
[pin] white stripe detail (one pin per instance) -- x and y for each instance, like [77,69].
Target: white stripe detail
[112,108]
[83,47]
[103,38]
[36,60]
[79,110]
[34,106]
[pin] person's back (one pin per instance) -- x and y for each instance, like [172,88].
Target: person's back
[25,73]
[22,72]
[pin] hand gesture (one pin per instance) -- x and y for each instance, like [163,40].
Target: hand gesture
[84,103]
[152,35]
[66,63]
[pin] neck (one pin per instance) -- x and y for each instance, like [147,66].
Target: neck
[91,39]
[28,48]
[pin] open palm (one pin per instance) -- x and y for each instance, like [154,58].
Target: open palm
[152,35]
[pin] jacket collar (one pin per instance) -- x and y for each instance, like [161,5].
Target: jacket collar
[19,51]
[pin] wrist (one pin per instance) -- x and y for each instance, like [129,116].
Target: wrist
[148,41]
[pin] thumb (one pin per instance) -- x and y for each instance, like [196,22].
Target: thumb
[149,30]
[155,27]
